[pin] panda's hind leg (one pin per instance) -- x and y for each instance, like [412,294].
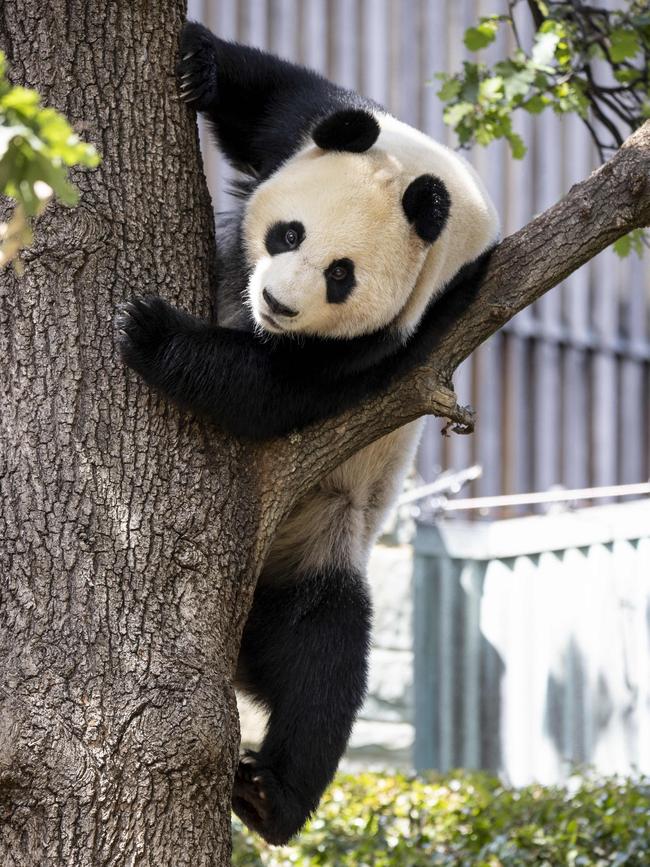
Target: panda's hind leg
[304,656]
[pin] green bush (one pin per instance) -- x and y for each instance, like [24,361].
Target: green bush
[466,820]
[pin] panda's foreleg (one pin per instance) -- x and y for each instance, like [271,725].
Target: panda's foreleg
[304,657]
[229,376]
[261,106]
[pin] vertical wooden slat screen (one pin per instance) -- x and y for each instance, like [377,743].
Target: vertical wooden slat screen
[454,18]
[563,392]
[575,406]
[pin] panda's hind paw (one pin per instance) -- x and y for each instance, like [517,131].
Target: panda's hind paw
[197,67]
[249,786]
[264,804]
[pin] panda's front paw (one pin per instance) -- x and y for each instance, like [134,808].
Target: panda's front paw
[263,803]
[144,327]
[197,67]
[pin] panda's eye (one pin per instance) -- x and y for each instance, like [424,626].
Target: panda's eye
[284,237]
[291,238]
[339,279]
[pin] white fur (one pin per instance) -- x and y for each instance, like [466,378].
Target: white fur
[336,522]
[350,206]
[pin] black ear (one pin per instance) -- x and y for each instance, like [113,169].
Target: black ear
[348,130]
[426,204]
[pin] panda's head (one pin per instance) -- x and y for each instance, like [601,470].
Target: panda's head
[348,236]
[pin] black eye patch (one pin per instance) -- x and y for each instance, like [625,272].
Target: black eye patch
[339,279]
[283,237]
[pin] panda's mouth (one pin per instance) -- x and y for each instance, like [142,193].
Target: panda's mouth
[269,320]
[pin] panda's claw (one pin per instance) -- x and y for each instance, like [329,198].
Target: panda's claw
[197,68]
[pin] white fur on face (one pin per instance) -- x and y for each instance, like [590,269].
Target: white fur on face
[471,228]
[350,207]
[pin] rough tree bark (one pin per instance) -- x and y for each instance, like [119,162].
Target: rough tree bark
[131,535]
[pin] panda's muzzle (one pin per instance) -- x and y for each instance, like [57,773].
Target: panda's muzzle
[276,306]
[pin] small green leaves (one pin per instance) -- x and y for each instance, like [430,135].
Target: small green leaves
[634,241]
[37,147]
[462,819]
[624,44]
[517,146]
[482,35]
[481,100]
[555,73]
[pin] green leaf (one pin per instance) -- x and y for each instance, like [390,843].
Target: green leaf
[517,146]
[37,146]
[633,241]
[20,99]
[627,76]
[518,83]
[536,104]
[623,44]
[623,246]
[455,113]
[490,89]
[469,89]
[451,88]
[482,35]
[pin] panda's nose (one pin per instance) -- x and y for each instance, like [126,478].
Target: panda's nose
[276,306]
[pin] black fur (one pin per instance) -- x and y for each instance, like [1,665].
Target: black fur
[351,130]
[305,645]
[303,657]
[426,204]
[262,108]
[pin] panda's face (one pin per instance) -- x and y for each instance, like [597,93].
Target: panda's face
[332,250]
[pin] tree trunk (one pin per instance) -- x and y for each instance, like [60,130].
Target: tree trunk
[131,536]
[128,532]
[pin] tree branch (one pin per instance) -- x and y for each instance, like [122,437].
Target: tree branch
[614,200]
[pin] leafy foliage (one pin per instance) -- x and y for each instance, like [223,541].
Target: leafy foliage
[575,47]
[465,820]
[557,73]
[37,147]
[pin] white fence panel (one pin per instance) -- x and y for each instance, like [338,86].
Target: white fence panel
[532,643]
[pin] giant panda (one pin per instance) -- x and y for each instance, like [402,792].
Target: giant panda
[354,236]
